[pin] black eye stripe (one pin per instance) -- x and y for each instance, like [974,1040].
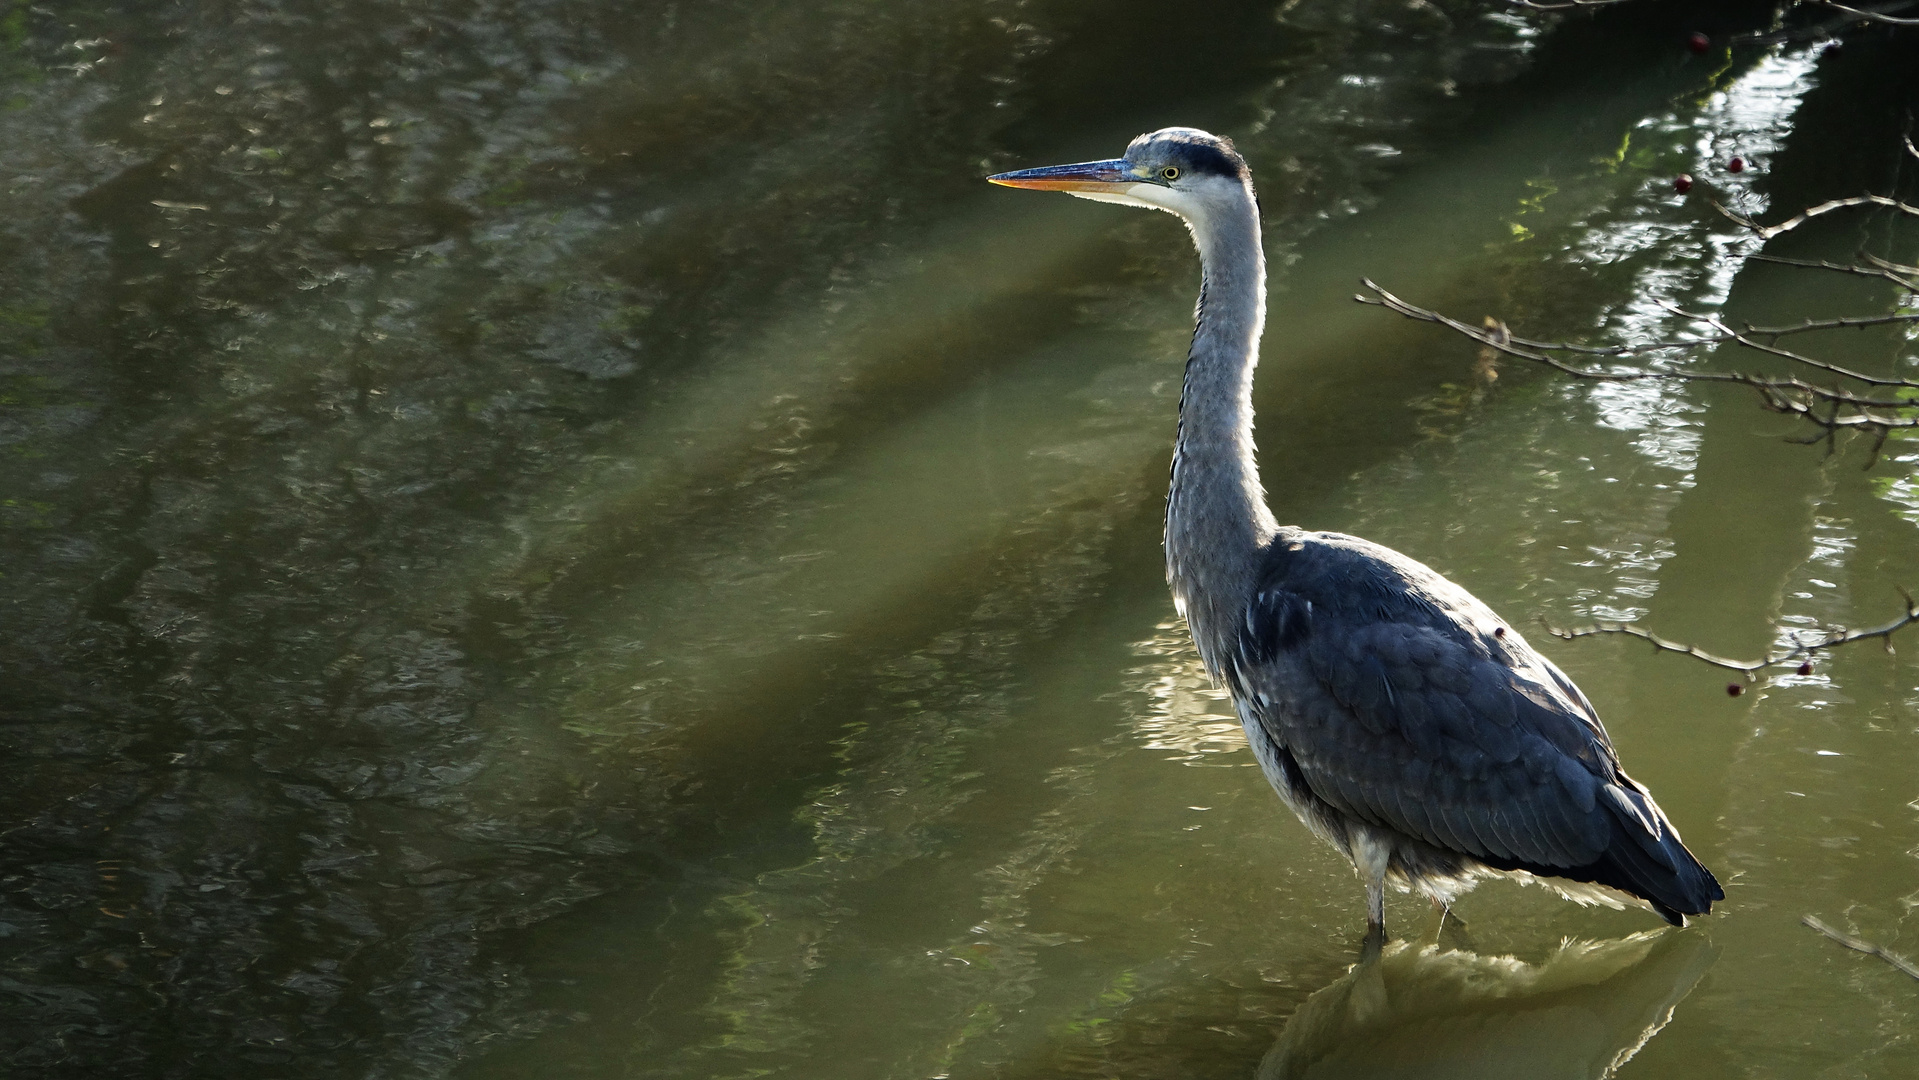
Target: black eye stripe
[1196,155]
[1207,159]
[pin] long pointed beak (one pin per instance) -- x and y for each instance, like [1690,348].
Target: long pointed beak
[1112,175]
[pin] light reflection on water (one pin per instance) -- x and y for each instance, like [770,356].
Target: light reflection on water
[1426,1011]
[1690,266]
[1185,714]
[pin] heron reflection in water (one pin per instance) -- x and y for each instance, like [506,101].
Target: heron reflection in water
[1396,714]
[1420,1011]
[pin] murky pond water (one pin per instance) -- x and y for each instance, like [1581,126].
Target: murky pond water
[563,538]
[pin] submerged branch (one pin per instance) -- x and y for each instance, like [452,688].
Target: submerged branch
[1862,945]
[1801,649]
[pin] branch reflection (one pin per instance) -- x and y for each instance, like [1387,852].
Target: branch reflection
[1423,1011]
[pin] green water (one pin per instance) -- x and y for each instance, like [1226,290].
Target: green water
[564,538]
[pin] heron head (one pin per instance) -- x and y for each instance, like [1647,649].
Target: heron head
[1180,170]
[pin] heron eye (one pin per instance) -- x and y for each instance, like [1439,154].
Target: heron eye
[1170,172]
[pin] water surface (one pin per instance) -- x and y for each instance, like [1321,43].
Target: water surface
[575,539]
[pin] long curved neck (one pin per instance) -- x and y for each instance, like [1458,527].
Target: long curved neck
[1217,521]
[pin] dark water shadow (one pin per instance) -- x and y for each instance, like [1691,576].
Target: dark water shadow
[1424,1011]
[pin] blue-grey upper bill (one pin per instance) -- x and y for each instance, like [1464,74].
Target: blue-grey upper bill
[1085,176]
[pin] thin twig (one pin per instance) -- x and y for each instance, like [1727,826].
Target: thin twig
[1767,232]
[1500,338]
[1729,334]
[1889,272]
[1786,395]
[1862,945]
[1888,264]
[1743,666]
[1845,322]
[1873,14]
[1821,31]
[1801,649]
[1562,5]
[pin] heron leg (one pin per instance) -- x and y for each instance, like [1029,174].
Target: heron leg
[1372,944]
[1370,857]
[1451,926]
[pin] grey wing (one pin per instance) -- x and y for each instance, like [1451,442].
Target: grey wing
[1403,702]
[1397,724]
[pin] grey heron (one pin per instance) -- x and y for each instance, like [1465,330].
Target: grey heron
[1398,716]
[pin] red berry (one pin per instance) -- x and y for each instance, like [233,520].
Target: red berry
[1699,43]
[1682,183]
[1805,668]
[1733,689]
[1736,165]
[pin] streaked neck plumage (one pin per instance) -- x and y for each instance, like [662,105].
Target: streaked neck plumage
[1217,521]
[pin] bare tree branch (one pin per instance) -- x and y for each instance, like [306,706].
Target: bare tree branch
[1843,409]
[1562,5]
[1843,322]
[1883,13]
[1888,270]
[1828,28]
[1767,232]
[1888,264]
[1802,648]
[1862,945]
[1878,14]
[1829,409]
[1726,333]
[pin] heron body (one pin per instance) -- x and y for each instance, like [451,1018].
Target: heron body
[1396,714]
